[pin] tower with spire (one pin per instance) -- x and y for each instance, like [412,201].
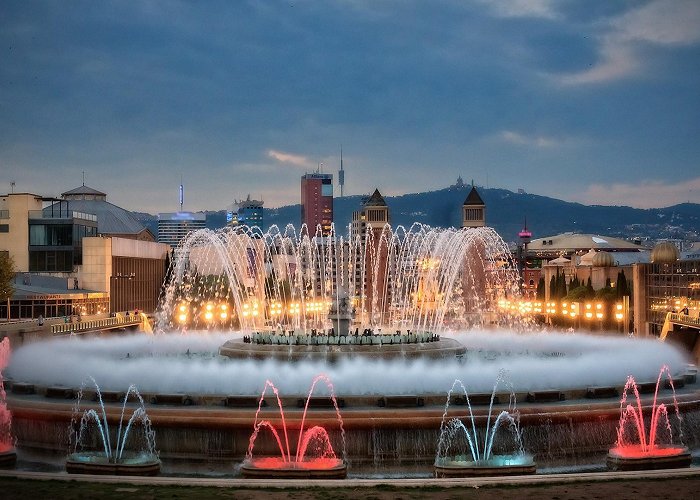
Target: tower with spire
[341,173]
[473,210]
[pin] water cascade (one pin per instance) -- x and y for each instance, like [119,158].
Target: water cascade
[417,279]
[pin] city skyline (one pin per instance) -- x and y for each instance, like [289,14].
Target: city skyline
[595,103]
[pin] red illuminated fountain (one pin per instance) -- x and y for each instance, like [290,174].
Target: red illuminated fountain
[314,457]
[642,448]
[8,456]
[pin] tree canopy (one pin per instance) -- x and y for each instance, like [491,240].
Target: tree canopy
[7,275]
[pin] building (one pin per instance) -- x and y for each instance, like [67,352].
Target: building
[52,246]
[570,244]
[250,213]
[370,226]
[131,271]
[174,227]
[669,283]
[111,219]
[43,240]
[473,210]
[317,202]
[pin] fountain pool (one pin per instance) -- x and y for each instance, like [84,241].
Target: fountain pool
[203,406]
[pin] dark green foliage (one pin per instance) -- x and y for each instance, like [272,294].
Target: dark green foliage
[540,289]
[7,275]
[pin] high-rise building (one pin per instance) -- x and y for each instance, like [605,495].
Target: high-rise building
[250,213]
[317,202]
[174,227]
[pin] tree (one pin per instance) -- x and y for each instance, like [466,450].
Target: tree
[540,289]
[553,288]
[7,276]
[622,288]
[577,294]
[589,285]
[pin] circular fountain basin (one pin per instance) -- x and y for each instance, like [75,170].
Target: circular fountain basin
[498,465]
[141,464]
[633,457]
[443,348]
[277,468]
[8,456]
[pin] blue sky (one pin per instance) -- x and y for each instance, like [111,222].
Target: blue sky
[589,101]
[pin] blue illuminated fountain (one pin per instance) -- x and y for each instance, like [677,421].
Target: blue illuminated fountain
[464,450]
[112,455]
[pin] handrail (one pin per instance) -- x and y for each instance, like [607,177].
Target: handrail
[95,324]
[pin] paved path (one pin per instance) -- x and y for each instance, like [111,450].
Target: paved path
[536,479]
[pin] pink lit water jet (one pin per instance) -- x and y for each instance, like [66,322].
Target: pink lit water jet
[7,450]
[640,446]
[314,455]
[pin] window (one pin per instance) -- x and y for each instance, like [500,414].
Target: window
[4,228]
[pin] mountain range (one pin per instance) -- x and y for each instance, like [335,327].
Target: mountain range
[506,211]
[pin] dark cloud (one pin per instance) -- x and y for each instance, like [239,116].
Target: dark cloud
[538,94]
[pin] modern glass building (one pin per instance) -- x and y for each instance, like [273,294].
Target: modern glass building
[174,227]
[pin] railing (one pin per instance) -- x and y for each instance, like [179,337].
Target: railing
[95,324]
[684,319]
[678,319]
[61,214]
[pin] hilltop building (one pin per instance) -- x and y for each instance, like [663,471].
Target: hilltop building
[317,202]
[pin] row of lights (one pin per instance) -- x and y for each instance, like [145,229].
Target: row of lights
[209,312]
[570,309]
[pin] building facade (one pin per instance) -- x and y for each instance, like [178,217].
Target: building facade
[43,240]
[370,226]
[317,202]
[174,227]
[250,213]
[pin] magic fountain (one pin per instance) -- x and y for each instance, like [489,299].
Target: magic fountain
[241,307]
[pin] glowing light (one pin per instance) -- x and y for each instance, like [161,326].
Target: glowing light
[182,318]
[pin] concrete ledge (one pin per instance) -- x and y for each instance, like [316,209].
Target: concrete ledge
[59,393]
[400,401]
[545,397]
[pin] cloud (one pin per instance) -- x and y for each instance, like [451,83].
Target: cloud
[645,194]
[664,22]
[540,142]
[622,39]
[616,61]
[296,160]
[523,8]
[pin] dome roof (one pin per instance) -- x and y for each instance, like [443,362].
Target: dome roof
[603,259]
[665,253]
